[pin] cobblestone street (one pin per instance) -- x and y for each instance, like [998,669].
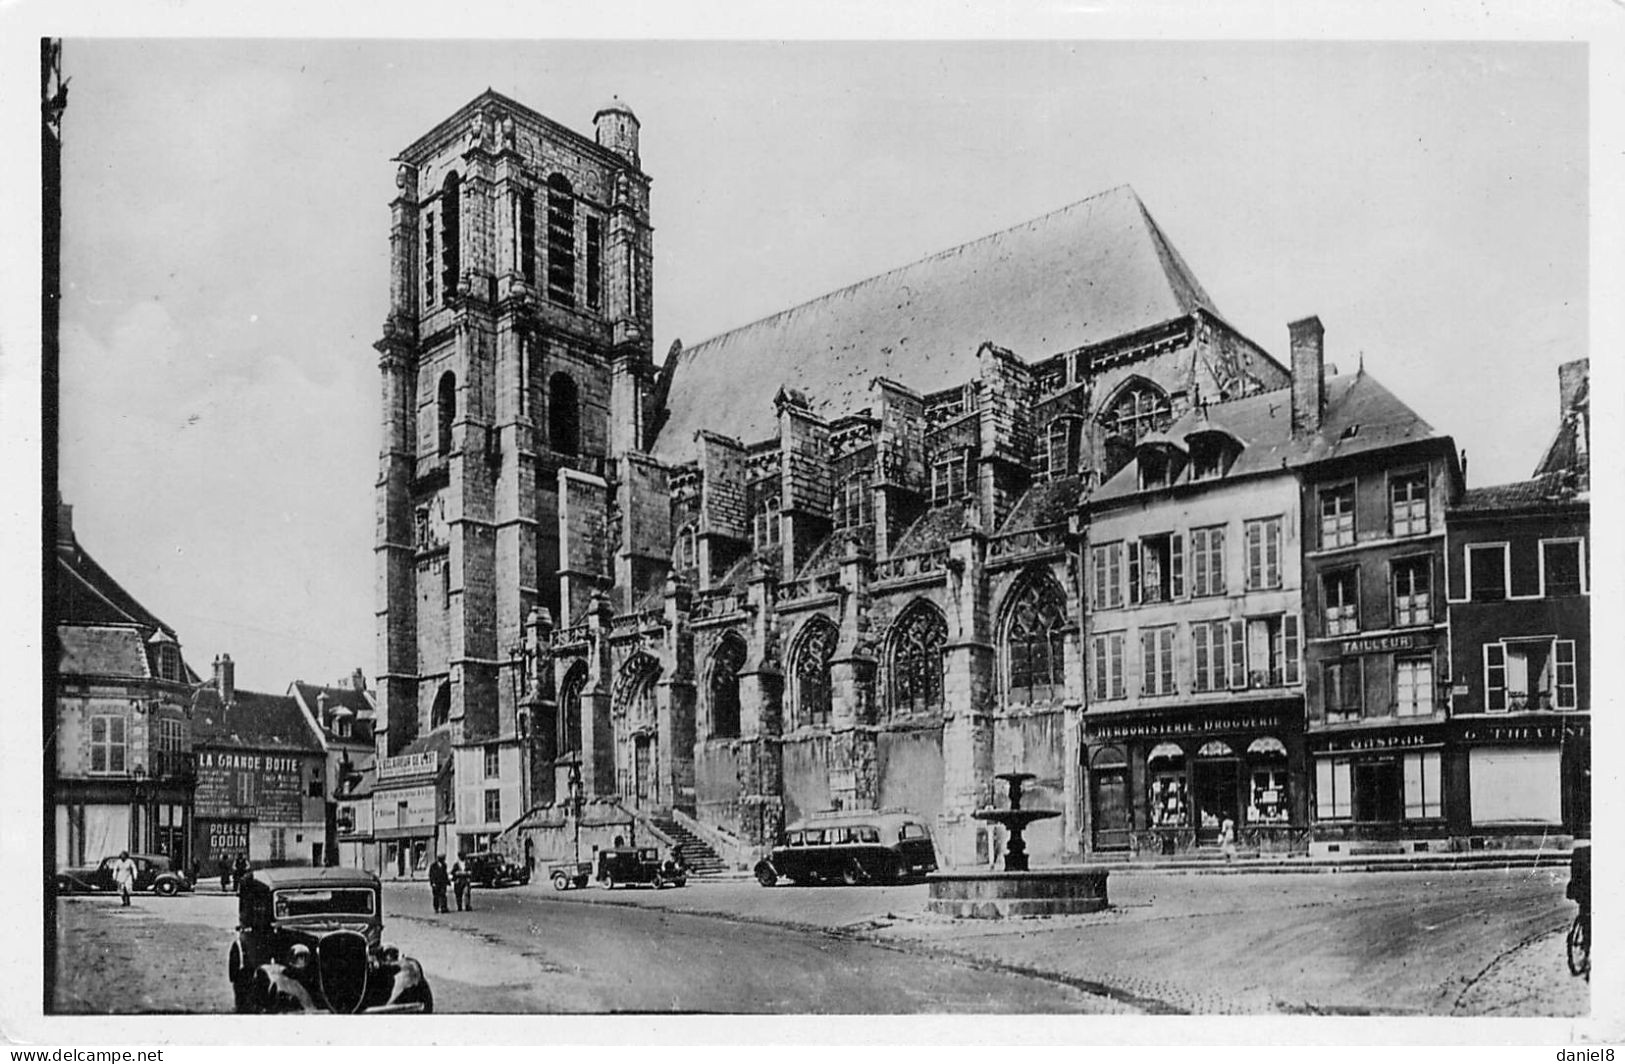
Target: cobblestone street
[1480,943]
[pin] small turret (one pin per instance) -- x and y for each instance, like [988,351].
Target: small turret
[617,129]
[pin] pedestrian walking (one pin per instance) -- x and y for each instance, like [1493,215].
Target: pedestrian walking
[239,869]
[1227,837]
[437,884]
[197,873]
[460,885]
[124,876]
[225,874]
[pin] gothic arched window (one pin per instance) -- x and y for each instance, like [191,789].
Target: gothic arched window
[684,555]
[1139,408]
[1033,642]
[446,409]
[810,667]
[563,415]
[561,241]
[451,241]
[723,684]
[569,710]
[1065,446]
[916,660]
[637,690]
[765,523]
[440,711]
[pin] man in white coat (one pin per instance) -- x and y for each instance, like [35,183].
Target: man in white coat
[124,876]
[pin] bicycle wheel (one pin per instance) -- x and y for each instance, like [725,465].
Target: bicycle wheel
[1579,948]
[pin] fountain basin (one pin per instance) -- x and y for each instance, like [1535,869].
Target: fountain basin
[996,895]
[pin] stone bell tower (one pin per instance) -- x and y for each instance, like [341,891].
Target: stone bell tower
[515,359]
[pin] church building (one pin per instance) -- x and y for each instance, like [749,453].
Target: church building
[832,559]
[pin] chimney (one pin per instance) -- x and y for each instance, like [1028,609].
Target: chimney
[64,523]
[225,678]
[321,709]
[358,679]
[1308,374]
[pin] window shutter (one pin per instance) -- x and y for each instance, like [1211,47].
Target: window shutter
[1238,654]
[1115,646]
[1568,688]
[1415,800]
[1495,676]
[1148,663]
[1255,555]
[1290,651]
[1325,790]
[1133,572]
[1098,663]
[1272,553]
[1176,565]
[1200,634]
[1199,584]
[1166,684]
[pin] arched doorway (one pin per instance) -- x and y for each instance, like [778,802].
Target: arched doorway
[1216,779]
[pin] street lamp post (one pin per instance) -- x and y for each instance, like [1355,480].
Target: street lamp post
[577,801]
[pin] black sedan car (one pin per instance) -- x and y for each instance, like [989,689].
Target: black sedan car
[152,873]
[487,869]
[311,940]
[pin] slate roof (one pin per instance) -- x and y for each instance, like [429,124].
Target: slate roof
[86,594]
[1087,273]
[932,530]
[1047,503]
[1541,491]
[254,720]
[348,697]
[102,651]
[1360,415]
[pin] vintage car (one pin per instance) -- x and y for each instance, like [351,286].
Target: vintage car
[311,940]
[852,847]
[638,864]
[570,874]
[152,872]
[487,869]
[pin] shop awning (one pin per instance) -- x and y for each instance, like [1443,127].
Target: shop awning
[1266,745]
[1215,748]
[1162,750]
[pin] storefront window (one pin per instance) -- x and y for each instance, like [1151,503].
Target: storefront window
[1267,792]
[1422,788]
[1169,804]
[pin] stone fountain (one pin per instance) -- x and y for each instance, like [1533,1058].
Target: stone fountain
[1016,890]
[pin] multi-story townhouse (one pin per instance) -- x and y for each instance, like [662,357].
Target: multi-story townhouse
[1376,482]
[343,714]
[122,745]
[1519,563]
[261,776]
[1194,638]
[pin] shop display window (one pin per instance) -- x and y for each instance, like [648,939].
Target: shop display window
[1267,802]
[1168,799]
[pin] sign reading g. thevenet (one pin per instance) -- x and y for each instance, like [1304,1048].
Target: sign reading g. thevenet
[245,784]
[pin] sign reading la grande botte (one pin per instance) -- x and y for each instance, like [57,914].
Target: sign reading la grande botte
[244,783]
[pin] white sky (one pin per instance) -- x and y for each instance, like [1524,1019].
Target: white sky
[226,237]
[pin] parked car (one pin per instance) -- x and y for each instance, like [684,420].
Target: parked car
[858,847]
[570,874]
[152,873]
[487,869]
[311,940]
[640,865]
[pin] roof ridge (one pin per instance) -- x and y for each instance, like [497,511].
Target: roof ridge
[933,257]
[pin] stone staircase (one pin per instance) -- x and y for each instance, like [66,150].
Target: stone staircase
[702,859]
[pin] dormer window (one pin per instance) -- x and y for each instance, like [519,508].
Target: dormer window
[1158,467]
[1212,453]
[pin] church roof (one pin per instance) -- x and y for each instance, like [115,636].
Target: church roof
[253,720]
[1087,273]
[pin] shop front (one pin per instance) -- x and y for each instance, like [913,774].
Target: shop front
[1381,790]
[1164,785]
[406,808]
[1523,779]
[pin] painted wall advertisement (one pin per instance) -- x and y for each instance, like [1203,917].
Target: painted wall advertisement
[408,807]
[220,838]
[243,784]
